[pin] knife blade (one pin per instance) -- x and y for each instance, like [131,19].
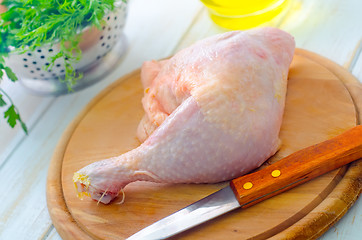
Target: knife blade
[245,191]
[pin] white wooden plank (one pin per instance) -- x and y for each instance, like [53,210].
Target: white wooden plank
[161,21]
[31,108]
[201,28]
[24,173]
[330,28]
[153,32]
[53,235]
[349,227]
[357,64]
[207,28]
[23,212]
[337,29]
[316,26]
[149,19]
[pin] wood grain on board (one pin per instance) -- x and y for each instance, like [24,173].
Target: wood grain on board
[326,27]
[319,106]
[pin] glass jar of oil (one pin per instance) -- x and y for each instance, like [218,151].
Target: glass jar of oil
[246,14]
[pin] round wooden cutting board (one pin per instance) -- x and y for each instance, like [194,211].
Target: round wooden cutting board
[323,100]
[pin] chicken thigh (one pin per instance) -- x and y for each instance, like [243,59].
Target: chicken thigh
[213,112]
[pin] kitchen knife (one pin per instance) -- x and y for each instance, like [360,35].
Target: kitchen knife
[250,189]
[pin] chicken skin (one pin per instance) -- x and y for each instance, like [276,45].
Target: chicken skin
[213,112]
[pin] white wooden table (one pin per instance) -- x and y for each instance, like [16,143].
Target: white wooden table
[155,29]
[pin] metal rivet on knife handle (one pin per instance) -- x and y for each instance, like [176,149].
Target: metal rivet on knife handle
[250,189]
[299,167]
[276,173]
[247,185]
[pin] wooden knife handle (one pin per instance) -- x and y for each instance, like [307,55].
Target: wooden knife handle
[298,168]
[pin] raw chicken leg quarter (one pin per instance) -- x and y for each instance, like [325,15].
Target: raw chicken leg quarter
[212,113]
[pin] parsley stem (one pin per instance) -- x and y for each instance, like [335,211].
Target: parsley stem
[23,125]
[7,96]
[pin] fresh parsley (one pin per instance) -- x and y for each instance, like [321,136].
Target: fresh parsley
[11,115]
[29,24]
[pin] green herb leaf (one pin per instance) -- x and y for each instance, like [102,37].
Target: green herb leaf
[11,75]
[2,102]
[30,24]
[11,115]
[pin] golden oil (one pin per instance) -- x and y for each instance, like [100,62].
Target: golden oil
[245,14]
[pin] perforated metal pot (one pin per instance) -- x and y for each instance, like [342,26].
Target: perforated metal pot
[101,50]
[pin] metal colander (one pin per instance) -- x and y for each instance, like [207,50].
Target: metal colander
[101,48]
